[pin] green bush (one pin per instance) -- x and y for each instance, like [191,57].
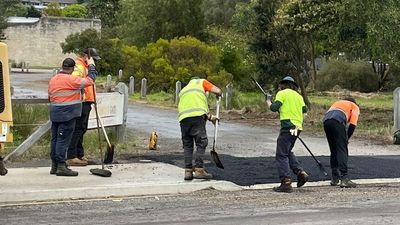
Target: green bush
[358,76]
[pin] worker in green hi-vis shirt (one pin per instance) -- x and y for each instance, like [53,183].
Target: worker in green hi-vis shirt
[291,107]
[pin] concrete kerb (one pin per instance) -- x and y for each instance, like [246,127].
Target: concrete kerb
[27,185]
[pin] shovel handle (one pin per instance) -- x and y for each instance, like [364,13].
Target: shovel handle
[216,123]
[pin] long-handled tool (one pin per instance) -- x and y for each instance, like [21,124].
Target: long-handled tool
[321,167]
[99,172]
[214,154]
[259,86]
[109,155]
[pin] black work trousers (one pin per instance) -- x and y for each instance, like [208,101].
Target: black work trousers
[338,141]
[193,130]
[75,149]
[286,161]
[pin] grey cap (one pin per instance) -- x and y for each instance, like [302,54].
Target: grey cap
[289,79]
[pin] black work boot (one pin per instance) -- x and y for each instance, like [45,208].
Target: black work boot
[286,186]
[302,178]
[53,169]
[188,174]
[3,170]
[347,183]
[201,173]
[335,181]
[63,170]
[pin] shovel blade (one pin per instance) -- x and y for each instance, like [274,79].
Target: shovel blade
[109,154]
[215,158]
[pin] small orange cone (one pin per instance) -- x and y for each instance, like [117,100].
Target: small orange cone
[153,141]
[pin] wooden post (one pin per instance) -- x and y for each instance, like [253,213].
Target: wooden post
[123,89]
[120,75]
[228,96]
[27,67]
[131,85]
[9,68]
[396,109]
[108,83]
[178,87]
[143,90]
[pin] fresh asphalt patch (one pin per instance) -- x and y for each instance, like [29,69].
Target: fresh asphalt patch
[247,171]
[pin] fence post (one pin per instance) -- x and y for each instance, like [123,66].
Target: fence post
[178,87]
[108,83]
[143,90]
[27,68]
[120,130]
[396,109]
[120,74]
[131,85]
[9,67]
[228,96]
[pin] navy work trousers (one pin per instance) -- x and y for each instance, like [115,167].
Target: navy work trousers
[285,158]
[193,130]
[75,149]
[61,134]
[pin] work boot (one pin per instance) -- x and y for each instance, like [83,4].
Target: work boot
[347,183]
[188,174]
[76,162]
[335,181]
[3,170]
[53,169]
[302,178]
[286,186]
[63,170]
[201,173]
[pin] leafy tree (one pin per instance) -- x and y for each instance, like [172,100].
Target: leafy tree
[32,12]
[142,21]
[53,9]
[5,6]
[105,10]
[18,10]
[76,11]
[220,12]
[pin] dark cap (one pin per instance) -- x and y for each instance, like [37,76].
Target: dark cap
[289,79]
[92,52]
[68,63]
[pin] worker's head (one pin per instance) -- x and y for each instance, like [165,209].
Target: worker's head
[350,99]
[92,52]
[288,82]
[68,65]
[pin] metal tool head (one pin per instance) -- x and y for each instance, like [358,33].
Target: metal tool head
[109,154]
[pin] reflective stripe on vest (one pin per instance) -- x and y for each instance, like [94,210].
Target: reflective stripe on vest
[192,100]
[65,90]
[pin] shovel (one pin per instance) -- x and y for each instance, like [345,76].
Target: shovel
[214,154]
[99,172]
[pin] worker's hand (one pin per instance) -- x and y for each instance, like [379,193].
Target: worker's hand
[90,61]
[268,97]
[213,119]
[294,131]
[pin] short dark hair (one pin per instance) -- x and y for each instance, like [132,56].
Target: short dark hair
[351,99]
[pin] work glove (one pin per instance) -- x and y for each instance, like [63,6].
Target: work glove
[90,61]
[294,131]
[268,97]
[213,119]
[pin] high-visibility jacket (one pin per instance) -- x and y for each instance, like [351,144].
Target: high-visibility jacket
[81,70]
[65,96]
[192,100]
[344,112]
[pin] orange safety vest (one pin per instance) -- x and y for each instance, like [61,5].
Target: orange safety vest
[81,70]
[65,89]
[350,109]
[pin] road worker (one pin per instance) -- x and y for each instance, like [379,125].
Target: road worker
[65,106]
[76,155]
[340,121]
[193,113]
[291,107]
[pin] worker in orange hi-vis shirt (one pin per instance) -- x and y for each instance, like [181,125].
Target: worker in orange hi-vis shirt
[340,121]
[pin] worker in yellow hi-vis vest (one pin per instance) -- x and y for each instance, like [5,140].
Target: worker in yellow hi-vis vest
[6,119]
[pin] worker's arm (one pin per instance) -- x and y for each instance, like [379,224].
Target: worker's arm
[350,130]
[208,86]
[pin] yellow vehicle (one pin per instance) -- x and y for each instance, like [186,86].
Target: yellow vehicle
[6,120]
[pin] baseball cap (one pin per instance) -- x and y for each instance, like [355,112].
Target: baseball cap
[68,62]
[93,53]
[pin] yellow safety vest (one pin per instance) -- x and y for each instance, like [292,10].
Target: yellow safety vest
[192,100]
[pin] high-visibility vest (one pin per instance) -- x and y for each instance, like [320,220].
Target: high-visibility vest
[81,70]
[192,100]
[65,96]
[349,109]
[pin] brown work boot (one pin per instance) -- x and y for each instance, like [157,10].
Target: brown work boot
[63,170]
[53,169]
[188,174]
[201,173]
[302,178]
[76,162]
[3,170]
[286,186]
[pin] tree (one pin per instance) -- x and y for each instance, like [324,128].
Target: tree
[5,6]
[76,11]
[105,10]
[53,9]
[32,12]
[19,9]
[142,21]
[220,12]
